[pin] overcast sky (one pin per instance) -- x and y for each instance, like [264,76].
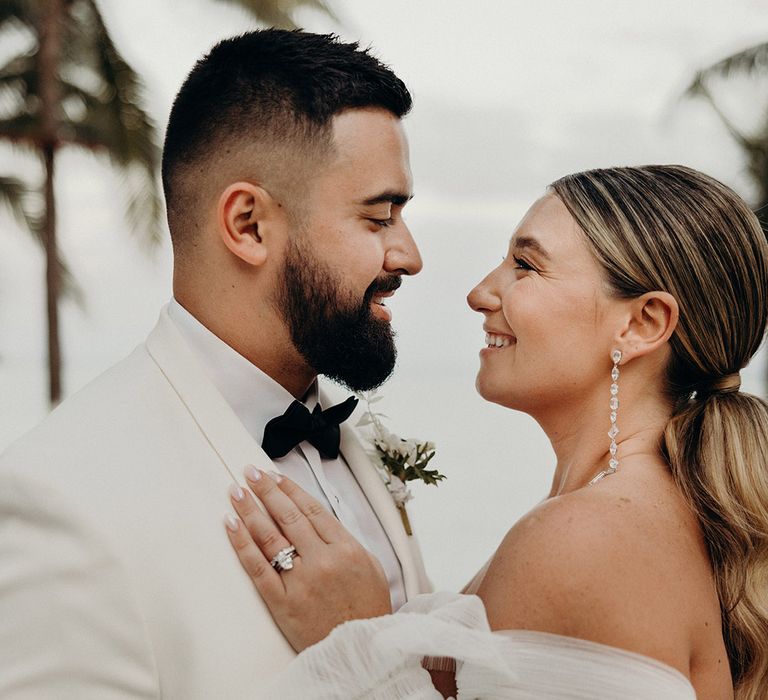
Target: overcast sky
[508,96]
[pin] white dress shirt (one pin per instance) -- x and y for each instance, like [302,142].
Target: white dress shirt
[256,398]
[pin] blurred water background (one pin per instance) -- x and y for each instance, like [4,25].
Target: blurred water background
[508,96]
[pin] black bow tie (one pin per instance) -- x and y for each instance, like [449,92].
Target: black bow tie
[319,428]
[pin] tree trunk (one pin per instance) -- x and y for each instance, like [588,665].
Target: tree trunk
[49,52]
[52,280]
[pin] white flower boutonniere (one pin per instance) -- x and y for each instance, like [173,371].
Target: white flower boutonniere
[398,459]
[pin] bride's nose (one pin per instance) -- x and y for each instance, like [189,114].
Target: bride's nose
[484,296]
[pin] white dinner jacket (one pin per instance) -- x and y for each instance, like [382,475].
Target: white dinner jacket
[116,577]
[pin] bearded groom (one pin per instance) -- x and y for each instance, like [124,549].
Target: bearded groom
[285,171]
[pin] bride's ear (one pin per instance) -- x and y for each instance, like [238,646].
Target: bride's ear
[653,318]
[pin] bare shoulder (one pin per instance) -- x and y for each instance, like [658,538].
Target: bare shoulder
[602,565]
[562,560]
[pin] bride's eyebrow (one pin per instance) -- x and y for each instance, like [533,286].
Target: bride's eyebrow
[523,242]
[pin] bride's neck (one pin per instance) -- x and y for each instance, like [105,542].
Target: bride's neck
[580,440]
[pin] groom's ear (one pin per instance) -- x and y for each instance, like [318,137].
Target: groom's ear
[246,217]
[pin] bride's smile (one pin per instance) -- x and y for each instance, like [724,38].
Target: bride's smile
[548,318]
[497,341]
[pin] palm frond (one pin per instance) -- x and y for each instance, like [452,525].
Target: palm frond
[144,206]
[132,153]
[70,288]
[19,64]
[18,81]
[699,89]
[128,140]
[16,196]
[277,13]
[19,93]
[751,61]
[21,128]
[115,123]
[17,12]
[13,193]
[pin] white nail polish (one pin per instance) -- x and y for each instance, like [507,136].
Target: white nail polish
[276,477]
[231,522]
[252,473]
[236,492]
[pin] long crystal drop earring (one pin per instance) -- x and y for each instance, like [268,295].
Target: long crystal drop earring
[613,462]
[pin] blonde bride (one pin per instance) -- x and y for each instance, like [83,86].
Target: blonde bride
[626,306]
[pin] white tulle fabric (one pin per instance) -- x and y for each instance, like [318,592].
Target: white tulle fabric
[380,659]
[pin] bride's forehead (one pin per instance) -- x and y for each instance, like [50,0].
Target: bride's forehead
[546,212]
[547,228]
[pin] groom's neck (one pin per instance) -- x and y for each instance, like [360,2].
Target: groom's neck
[258,335]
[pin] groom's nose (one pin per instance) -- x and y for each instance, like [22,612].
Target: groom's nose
[402,256]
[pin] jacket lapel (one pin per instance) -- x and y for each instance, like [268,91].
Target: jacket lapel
[367,475]
[217,422]
[235,447]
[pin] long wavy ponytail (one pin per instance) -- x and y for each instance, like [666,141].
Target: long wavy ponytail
[673,229]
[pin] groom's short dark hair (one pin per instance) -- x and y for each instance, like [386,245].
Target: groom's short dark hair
[266,98]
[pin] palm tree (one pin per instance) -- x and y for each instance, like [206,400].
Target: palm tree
[279,13]
[749,62]
[73,88]
[15,196]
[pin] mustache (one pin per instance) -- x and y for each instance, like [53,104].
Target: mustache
[388,283]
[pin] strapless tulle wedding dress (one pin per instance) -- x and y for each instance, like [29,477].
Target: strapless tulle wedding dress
[381,659]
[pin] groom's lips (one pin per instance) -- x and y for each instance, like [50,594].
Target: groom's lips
[378,308]
[384,289]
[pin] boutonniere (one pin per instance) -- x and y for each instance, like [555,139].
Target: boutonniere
[398,459]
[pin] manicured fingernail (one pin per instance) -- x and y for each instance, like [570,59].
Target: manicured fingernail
[252,473]
[231,522]
[276,477]
[236,492]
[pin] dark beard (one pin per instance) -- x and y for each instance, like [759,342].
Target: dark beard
[337,337]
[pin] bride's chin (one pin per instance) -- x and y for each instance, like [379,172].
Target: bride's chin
[481,386]
[507,393]
[492,392]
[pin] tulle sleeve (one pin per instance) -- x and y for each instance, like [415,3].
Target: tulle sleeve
[381,659]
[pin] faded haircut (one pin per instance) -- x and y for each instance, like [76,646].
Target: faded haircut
[261,106]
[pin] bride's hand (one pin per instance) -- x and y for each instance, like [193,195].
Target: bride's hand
[333,579]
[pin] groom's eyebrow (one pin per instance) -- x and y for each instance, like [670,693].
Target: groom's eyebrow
[396,198]
[530,243]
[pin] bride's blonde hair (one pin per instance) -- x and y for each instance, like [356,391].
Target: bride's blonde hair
[671,228]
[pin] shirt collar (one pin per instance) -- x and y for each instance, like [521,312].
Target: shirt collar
[253,395]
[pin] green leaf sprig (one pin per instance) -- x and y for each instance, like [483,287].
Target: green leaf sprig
[401,460]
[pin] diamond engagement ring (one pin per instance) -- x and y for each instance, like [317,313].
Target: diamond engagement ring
[283,560]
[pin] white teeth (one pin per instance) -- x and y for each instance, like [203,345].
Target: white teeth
[497,341]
